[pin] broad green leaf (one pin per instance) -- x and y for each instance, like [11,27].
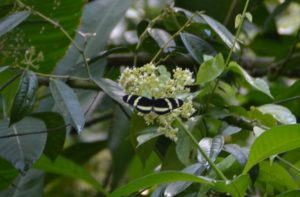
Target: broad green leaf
[177,187]
[7,174]
[277,176]
[56,130]
[11,21]
[184,147]
[25,97]
[67,103]
[236,187]
[196,46]
[239,154]
[21,144]
[163,39]
[157,178]
[225,35]
[280,113]
[211,69]
[99,17]
[42,36]
[119,145]
[256,83]
[26,185]
[63,166]
[273,141]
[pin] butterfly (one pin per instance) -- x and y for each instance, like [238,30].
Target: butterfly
[160,106]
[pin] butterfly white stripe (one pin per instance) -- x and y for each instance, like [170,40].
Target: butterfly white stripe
[169,103]
[136,101]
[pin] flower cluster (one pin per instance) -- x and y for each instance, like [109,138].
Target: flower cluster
[157,82]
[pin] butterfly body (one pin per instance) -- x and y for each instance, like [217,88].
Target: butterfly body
[160,106]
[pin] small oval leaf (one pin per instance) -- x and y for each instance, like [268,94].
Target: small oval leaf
[273,141]
[25,97]
[280,113]
[211,69]
[10,22]
[239,154]
[196,46]
[211,146]
[225,35]
[163,39]
[67,102]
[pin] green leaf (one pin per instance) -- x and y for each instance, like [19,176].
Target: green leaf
[25,97]
[157,178]
[27,185]
[211,69]
[280,113]
[56,133]
[112,89]
[273,141]
[3,68]
[99,17]
[43,36]
[7,174]
[20,148]
[236,187]
[277,176]
[147,137]
[225,35]
[256,83]
[11,21]
[239,154]
[196,46]
[67,102]
[163,39]
[119,145]
[184,147]
[63,166]
[177,187]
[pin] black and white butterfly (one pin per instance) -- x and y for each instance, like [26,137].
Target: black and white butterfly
[160,106]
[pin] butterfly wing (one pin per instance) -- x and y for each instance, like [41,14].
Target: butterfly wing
[165,105]
[142,104]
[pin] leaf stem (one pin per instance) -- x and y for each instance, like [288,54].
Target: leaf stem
[237,34]
[195,142]
[188,22]
[143,36]
[288,163]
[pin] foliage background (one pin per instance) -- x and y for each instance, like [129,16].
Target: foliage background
[65,131]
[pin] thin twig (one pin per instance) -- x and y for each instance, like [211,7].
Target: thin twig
[188,22]
[288,163]
[35,132]
[235,41]
[211,163]
[144,35]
